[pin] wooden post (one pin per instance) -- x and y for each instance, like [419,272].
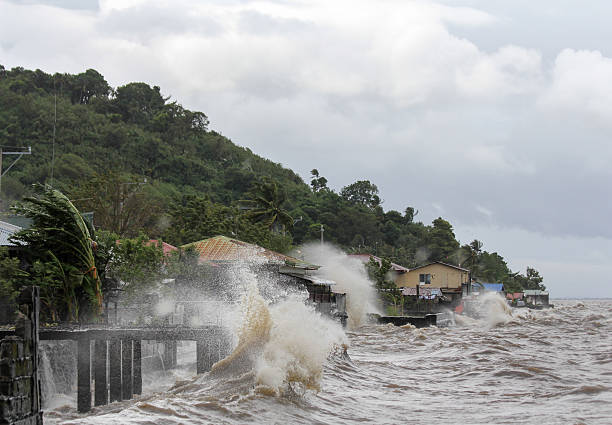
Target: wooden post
[83,376]
[99,361]
[201,356]
[27,328]
[114,371]
[137,366]
[126,369]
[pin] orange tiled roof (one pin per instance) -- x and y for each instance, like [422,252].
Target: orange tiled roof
[166,247]
[222,248]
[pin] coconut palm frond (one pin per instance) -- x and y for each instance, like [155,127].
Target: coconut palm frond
[60,233]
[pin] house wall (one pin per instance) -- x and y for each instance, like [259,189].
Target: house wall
[441,277]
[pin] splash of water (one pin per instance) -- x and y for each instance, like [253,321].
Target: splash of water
[496,309]
[283,344]
[490,310]
[350,277]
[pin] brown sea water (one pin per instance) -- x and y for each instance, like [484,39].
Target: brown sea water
[516,367]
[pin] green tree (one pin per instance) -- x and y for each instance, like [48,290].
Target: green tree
[363,193]
[61,237]
[441,240]
[121,204]
[317,182]
[138,103]
[12,277]
[266,206]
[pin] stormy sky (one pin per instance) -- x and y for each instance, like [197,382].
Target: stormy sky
[496,115]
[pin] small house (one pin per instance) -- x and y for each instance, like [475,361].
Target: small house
[450,279]
[223,253]
[536,297]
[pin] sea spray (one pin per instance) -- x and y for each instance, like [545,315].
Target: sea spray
[489,309]
[351,278]
[496,309]
[300,342]
[283,344]
[253,334]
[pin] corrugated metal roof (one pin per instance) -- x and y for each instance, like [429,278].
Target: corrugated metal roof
[222,248]
[534,292]
[6,231]
[443,264]
[492,287]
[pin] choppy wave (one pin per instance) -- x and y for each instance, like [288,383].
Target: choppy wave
[520,367]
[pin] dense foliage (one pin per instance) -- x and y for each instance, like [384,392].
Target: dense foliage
[61,240]
[141,162]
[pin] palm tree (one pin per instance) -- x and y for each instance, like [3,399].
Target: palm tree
[265,206]
[61,238]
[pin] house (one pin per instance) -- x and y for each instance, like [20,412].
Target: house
[450,279]
[167,249]
[396,270]
[224,250]
[536,297]
[223,253]
[435,275]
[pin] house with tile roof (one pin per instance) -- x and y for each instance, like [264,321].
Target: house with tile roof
[224,252]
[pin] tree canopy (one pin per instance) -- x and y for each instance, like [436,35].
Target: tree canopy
[110,141]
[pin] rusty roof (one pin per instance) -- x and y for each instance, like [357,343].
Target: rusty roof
[166,247]
[224,249]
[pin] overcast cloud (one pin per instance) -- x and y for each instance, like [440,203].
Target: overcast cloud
[493,114]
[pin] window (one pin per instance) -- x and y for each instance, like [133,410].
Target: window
[425,278]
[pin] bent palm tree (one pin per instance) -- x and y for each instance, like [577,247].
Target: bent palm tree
[265,206]
[59,234]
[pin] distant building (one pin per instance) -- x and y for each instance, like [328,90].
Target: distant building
[167,249]
[536,297]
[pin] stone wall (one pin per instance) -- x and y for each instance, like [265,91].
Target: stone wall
[18,401]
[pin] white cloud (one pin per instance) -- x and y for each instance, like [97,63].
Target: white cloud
[387,91]
[581,85]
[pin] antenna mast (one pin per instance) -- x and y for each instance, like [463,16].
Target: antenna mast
[20,151]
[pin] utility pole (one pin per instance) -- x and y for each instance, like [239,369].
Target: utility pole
[11,152]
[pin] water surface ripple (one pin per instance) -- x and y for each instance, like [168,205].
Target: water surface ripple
[535,367]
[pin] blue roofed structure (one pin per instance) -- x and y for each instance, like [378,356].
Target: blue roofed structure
[487,287]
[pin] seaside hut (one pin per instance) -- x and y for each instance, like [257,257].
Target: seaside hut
[536,297]
[278,271]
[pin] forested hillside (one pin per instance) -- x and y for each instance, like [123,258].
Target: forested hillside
[142,163]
